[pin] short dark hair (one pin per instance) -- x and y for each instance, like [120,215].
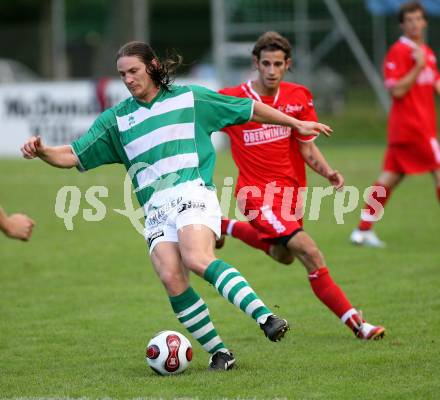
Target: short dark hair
[159,71]
[272,41]
[410,7]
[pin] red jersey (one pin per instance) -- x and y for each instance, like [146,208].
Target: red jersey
[413,116]
[266,153]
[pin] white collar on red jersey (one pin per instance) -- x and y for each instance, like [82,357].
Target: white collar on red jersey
[251,93]
[408,42]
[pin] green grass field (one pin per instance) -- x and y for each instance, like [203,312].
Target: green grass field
[78,307]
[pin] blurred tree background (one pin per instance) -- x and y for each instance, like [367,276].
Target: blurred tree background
[96,28]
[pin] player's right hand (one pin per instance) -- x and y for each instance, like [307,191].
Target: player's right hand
[19,226]
[33,148]
[419,57]
[312,128]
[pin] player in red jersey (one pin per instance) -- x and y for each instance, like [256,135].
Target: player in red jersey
[411,76]
[270,160]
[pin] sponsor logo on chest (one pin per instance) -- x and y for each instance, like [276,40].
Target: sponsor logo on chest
[290,108]
[426,77]
[265,134]
[131,120]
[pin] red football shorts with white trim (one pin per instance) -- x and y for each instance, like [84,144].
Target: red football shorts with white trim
[412,158]
[275,220]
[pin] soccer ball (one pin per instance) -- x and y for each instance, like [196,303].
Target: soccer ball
[169,352]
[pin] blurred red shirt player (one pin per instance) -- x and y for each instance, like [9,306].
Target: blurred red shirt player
[412,77]
[270,161]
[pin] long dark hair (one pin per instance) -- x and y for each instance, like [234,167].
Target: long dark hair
[161,72]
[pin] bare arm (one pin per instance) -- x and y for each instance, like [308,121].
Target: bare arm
[16,226]
[437,87]
[316,160]
[267,115]
[58,156]
[403,85]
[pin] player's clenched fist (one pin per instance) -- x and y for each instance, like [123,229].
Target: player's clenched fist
[19,226]
[16,226]
[33,148]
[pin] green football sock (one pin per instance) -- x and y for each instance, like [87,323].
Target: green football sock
[231,285]
[193,313]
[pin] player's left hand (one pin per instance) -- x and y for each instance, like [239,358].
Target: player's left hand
[33,148]
[336,179]
[312,128]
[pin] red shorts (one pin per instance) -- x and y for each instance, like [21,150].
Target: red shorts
[275,219]
[412,158]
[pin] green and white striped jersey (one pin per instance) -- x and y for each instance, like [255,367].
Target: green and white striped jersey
[165,143]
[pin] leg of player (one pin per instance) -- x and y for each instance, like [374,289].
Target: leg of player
[436,175]
[189,307]
[196,243]
[304,247]
[245,232]
[364,234]
[281,254]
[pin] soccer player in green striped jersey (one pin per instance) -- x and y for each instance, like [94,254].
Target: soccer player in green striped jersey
[162,136]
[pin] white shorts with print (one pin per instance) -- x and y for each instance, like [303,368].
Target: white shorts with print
[196,205]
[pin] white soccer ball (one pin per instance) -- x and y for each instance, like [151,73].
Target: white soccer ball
[169,352]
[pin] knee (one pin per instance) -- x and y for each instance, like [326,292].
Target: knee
[197,261]
[172,280]
[170,272]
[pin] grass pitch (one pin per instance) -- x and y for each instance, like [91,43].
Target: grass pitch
[78,307]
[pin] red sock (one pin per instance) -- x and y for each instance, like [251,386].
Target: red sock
[365,224]
[245,232]
[225,224]
[328,292]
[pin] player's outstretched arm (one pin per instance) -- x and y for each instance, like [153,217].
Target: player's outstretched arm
[16,226]
[265,114]
[316,160]
[58,156]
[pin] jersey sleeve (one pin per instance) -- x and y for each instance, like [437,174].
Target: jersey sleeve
[435,67]
[96,147]
[394,66]
[308,113]
[216,111]
[227,92]
[227,129]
